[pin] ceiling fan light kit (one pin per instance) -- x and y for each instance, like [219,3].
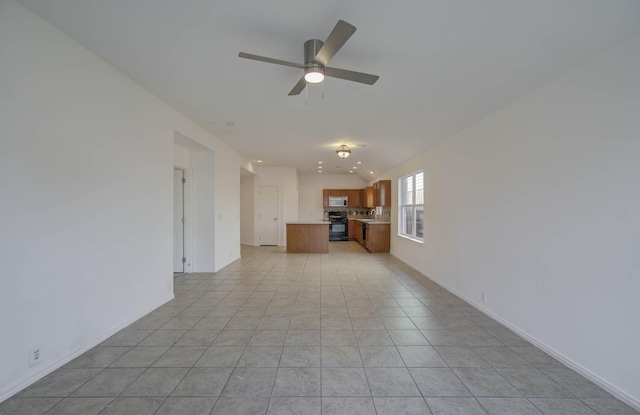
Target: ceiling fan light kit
[343,151]
[313,75]
[317,55]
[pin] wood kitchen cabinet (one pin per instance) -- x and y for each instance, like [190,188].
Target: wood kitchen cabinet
[358,231]
[371,196]
[378,237]
[382,193]
[366,197]
[325,197]
[353,196]
[330,192]
[308,238]
[354,227]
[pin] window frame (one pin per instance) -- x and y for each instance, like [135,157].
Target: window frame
[415,207]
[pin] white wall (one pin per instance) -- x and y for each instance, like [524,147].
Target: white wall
[181,157]
[311,191]
[286,180]
[227,209]
[538,206]
[202,221]
[247,211]
[86,157]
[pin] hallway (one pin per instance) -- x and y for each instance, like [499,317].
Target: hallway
[344,333]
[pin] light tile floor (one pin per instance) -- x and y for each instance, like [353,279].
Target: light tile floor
[344,333]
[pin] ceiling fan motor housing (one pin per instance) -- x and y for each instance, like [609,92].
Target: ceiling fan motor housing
[311,48]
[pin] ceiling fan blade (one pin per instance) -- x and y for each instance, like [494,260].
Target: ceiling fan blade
[299,87]
[336,39]
[363,78]
[269,60]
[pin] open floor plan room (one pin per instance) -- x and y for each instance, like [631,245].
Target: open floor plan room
[340,333]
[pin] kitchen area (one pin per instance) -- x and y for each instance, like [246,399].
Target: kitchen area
[362,215]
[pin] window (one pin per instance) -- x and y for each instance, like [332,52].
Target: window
[411,206]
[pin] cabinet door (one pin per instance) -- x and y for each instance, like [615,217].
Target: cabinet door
[366,197]
[325,197]
[378,238]
[359,232]
[385,193]
[382,193]
[352,228]
[354,198]
[376,194]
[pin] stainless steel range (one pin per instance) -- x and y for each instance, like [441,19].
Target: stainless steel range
[338,226]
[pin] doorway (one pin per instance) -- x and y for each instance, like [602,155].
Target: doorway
[268,215]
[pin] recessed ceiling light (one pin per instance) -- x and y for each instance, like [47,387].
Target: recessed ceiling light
[319,162]
[350,171]
[371,172]
[354,167]
[319,167]
[359,162]
[319,171]
[259,161]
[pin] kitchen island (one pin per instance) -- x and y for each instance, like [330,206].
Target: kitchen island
[311,237]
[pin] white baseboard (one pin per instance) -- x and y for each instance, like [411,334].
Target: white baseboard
[612,389]
[22,383]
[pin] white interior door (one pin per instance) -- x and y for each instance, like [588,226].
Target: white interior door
[268,215]
[178,220]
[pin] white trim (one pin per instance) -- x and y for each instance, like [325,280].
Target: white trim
[413,205]
[612,389]
[188,239]
[401,235]
[31,379]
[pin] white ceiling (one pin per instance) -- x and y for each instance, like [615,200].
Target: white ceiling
[443,65]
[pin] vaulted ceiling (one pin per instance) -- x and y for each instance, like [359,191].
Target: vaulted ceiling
[443,65]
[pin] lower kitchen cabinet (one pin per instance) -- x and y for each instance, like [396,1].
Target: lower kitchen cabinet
[355,226]
[378,237]
[374,236]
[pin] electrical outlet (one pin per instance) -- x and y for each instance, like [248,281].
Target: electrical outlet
[34,356]
[484,297]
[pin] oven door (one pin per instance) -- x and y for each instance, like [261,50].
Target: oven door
[338,231]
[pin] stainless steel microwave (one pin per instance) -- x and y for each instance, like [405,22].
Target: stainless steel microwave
[338,201]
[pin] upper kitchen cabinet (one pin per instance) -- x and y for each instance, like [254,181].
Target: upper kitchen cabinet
[352,195]
[354,198]
[382,193]
[326,193]
[366,197]
[325,197]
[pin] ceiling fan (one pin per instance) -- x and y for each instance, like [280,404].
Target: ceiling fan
[317,55]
